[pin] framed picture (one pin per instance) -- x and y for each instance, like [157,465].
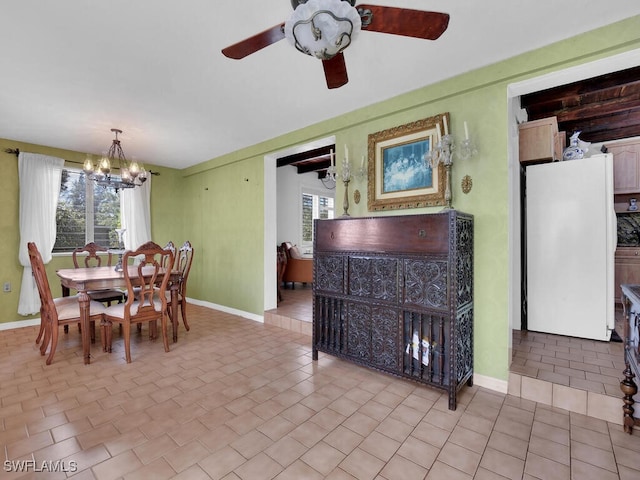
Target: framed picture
[399,174]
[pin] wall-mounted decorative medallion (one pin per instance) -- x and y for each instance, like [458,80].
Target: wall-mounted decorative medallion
[467,183]
[356,196]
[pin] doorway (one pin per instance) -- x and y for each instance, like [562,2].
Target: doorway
[271,238]
[514,92]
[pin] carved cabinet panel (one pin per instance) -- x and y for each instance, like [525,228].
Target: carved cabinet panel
[396,294]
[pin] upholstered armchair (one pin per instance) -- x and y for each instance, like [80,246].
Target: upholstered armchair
[298,269]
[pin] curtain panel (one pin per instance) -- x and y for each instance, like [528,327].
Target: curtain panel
[39,178]
[135,211]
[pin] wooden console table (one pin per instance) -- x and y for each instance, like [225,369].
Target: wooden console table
[396,294]
[630,298]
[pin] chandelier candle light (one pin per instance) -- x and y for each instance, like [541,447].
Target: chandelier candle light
[132,174]
[361,171]
[332,170]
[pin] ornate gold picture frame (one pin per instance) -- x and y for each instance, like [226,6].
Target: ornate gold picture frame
[399,175]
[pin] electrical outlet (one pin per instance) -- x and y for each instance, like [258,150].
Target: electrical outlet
[6,287]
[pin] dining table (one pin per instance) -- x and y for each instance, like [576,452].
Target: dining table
[84,280]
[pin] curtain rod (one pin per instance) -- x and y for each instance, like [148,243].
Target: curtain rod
[16,152]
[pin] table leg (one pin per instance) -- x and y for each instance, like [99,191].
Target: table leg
[65,293]
[629,388]
[83,301]
[174,310]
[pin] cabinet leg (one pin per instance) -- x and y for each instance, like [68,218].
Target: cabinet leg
[452,399]
[314,354]
[629,389]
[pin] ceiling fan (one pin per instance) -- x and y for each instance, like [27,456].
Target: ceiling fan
[324,28]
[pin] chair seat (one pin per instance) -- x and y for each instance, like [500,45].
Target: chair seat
[119,309]
[68,310]
[106,295]
[64,300]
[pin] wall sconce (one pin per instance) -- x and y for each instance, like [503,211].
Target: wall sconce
[332,174]
[361,171]
[444,151]
[346,178]
[467,146]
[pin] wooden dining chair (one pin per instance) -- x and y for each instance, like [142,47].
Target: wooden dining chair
[153,325]
[183,261]
[95,254]
[170,246]
[146,294]
[56,312]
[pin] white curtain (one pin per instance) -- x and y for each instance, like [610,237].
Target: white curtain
[135,209]
[40,177]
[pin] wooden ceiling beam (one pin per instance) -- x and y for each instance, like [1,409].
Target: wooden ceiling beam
[304,156]
[602,108]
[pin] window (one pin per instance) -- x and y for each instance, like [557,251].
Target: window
[313,207]
[86,212]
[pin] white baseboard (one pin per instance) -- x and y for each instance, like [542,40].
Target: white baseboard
[490,383]
[20,323]
[251,316]
[222,308]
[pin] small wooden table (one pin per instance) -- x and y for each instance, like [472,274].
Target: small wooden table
[630,296]
[104,278]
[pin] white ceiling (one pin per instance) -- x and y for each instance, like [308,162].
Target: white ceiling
[74,69]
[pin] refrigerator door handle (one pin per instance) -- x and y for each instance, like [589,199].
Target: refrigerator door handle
[613,232]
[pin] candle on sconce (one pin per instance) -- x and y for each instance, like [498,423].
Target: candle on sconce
[346,153]
[362,162]
[331,155]
[466,131]
[438,130]
[446,127]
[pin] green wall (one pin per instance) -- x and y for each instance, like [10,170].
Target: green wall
[480,98]
[219,204]
[224,212]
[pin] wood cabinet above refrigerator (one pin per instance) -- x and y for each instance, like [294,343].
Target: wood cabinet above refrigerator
[540,141]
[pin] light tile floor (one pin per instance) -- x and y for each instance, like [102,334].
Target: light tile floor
[236,399]
[572,362]
[585,364]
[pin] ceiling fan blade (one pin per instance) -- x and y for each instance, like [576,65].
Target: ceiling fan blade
[403,21]
[335,71]
[253,44]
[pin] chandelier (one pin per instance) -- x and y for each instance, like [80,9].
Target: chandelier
[322,28]
[132,174]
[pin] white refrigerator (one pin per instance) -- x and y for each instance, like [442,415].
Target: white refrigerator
[570,247]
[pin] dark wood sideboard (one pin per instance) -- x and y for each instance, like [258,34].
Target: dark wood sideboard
[395,293]
[631,304]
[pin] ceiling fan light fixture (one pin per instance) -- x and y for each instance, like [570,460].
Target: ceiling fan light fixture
[323,28]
